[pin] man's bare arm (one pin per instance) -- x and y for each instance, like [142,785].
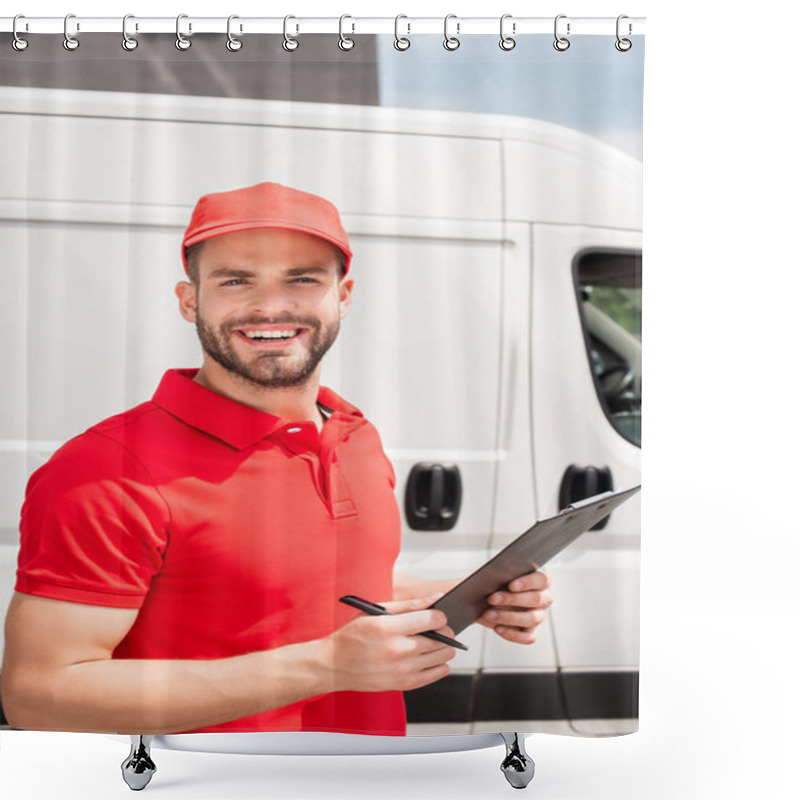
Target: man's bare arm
[58,673]
[407,587]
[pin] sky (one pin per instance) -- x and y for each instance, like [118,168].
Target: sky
[591,86]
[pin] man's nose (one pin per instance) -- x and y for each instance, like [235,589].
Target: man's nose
[271,300]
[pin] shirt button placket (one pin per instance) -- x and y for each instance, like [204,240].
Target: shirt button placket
[304,441]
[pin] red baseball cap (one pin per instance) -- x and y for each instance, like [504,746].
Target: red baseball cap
[266,205]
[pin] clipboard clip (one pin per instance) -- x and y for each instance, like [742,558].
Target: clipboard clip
[585,502]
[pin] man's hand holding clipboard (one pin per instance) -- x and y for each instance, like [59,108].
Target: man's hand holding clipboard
[495,583]
[516,611]
[406,644]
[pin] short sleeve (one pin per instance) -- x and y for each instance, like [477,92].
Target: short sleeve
[93,527]
[391,475]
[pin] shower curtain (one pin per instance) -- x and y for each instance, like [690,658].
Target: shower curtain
[488,368]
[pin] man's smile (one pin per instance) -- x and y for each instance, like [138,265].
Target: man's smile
[271,337]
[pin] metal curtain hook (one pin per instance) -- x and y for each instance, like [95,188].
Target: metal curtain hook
[181,42]
[128,42]
[400,42]
[623,45]
[344,42]
[507,42]
[70,42]
[233,44]
[561,43]
[18,42]
[451,42]
[290,43]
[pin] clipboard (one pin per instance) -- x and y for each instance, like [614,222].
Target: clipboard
[530,551]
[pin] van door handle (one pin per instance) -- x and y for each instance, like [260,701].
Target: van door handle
[433,496]
[579,483]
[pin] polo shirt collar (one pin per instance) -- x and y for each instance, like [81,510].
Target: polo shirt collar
[235,423]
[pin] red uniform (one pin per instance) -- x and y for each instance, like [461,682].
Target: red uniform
[231,531]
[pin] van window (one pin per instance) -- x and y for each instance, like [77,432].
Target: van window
[609,290]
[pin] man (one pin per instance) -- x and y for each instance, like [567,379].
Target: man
[181,563]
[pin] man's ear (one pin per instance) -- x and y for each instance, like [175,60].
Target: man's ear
[186,293]
[345,297]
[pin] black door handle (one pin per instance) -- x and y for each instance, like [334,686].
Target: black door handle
[433,497]
[579,483]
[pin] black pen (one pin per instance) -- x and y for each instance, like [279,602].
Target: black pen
[378,611]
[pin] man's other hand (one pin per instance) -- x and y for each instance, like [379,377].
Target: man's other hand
[517,611]
[386,653]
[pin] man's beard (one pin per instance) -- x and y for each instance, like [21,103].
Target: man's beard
[268,369]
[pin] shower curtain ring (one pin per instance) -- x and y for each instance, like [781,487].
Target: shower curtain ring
[290,43]
[70,42]
[400,42]
[181,42]
[451,42]
[128,42]
[507,42]
[344,42]
[233,44]
[561,43]
[18,43]
[623,45]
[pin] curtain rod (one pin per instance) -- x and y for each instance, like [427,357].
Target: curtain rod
[348,25]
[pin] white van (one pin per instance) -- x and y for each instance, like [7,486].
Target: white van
[494,333]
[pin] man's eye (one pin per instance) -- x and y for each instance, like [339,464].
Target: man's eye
[305,280]
[233,282]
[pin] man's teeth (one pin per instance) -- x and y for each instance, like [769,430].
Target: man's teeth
[270,334]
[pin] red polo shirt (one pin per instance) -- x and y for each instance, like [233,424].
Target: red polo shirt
[231,531]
